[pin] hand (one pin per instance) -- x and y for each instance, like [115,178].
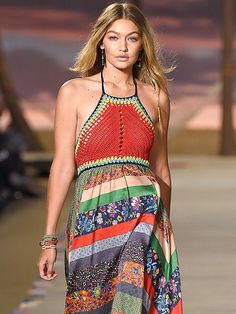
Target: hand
[46,264]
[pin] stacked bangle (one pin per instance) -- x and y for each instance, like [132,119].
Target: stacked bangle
[48,241]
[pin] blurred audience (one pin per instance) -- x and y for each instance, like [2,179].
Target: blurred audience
[14,183]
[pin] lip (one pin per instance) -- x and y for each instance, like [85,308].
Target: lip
[122,57]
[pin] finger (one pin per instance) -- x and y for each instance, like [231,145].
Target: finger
[50,270]
[43,270]
[54,275]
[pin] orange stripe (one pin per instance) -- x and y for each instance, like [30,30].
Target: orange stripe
[150,291]
[178,309]
[153,310]
[111,231]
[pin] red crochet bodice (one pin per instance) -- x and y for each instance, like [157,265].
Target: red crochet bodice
[118,130]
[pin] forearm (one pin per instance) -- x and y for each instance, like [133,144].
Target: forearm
[59,181]
[164,179]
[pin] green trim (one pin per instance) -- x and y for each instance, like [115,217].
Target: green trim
[167,268]
[117,195]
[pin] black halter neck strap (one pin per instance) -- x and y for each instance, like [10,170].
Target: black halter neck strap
[103,89]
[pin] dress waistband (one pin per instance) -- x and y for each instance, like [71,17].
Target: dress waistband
[112,160]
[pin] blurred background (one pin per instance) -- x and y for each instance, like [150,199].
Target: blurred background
[39,41]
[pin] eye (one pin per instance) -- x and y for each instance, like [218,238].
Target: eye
[133,38]
[112,37]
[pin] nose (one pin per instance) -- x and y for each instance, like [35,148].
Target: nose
[123,46]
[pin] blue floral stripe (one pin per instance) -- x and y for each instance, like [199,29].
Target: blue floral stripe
[115,213]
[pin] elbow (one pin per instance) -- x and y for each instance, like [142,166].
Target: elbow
[63,166]
[164,174]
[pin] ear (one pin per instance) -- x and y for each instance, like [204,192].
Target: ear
[101,46]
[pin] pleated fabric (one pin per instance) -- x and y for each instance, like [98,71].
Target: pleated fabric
[123,257]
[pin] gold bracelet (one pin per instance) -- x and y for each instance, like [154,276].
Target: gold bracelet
[51,246]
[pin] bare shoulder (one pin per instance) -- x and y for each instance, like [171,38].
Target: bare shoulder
[72,87]
[78,94]
[150,97]
[80,87]
[149,91]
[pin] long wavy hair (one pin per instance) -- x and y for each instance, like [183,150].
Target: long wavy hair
[152,70]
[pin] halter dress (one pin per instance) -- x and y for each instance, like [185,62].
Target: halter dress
[120,254]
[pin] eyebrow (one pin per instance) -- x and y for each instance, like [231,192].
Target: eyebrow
[119,33]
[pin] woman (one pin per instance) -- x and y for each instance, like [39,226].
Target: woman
[120,252]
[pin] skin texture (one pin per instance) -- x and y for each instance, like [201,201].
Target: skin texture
[75,102]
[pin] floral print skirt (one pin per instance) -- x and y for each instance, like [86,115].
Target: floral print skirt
[120,254]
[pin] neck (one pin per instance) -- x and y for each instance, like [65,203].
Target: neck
[119,78]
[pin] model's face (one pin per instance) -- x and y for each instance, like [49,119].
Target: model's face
[122,43]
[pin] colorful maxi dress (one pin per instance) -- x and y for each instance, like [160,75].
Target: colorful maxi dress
[120,255]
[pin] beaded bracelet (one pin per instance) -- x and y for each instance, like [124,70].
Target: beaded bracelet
[48,241]
[51,246]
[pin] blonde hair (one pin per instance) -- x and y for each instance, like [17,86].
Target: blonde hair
[152,70]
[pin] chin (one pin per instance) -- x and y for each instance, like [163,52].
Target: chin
[123,66]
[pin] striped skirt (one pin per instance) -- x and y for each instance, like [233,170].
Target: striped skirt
[120,254]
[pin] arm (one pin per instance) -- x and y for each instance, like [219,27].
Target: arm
[61,172]
[159,152]
[63,167]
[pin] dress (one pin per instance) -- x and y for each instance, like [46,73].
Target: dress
[120,254]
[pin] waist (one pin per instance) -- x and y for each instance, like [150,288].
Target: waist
[112,160]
